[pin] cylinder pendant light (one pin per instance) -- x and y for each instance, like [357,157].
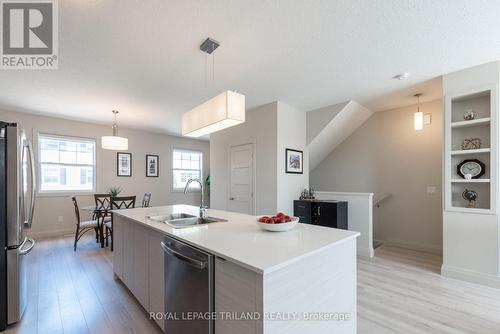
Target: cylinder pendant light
[114,142]
[220,112]
[418,117]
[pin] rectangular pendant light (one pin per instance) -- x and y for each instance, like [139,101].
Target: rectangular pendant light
[418,121]
[220,112]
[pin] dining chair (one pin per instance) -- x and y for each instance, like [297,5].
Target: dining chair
[102,201]
[117,203]
[146,199]
[83,227]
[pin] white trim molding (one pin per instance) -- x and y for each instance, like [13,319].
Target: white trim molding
[52,233]
[426,248]
[471,276]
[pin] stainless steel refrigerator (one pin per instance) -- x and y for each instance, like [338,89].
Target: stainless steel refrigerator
[17,202]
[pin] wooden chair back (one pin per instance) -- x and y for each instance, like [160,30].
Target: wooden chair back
[102,201]
[77,211]
[146,199]
[125,202]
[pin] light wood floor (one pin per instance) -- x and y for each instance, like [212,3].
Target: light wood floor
[399,291]
[76,293]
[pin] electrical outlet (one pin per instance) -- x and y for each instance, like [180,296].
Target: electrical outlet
[60,219]
[431,190]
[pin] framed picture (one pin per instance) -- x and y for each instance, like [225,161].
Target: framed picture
[293,161]
[123,164]
[152,165]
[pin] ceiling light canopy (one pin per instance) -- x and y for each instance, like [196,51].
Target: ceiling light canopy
[402,76]
[220,112]
[114,142]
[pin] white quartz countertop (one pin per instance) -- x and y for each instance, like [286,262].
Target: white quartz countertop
[241,240]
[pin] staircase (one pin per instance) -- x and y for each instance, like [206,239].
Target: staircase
[328,127]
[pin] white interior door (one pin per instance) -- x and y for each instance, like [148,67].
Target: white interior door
[241,181]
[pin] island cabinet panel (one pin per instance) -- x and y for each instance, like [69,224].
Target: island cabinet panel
[320,285]
[156,276]
[141,266]
[138,263]
[118,246]
[237,292]
[128,254]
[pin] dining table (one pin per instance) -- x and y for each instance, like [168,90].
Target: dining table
[99,211]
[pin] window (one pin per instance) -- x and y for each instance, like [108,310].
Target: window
[66,163]
[186,165]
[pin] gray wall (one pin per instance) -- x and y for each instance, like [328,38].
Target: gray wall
[273,128]
[386,155]
[49,208]
[291,129]
[260,128]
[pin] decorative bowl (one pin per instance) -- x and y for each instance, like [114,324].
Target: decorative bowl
[279,227]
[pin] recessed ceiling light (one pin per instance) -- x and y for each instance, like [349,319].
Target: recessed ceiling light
[402,76]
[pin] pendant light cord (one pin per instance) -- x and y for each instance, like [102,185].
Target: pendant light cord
[417,95]
[206,69]
[115,126]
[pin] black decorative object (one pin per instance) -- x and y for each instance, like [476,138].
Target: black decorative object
[307,194]
[470,196]
[474,167]
[123,164]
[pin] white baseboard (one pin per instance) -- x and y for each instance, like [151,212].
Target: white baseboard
[471,276]
[50,234]
[365,252]
[427,248]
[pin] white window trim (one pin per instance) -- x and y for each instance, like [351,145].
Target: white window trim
[178,190]
[62,193]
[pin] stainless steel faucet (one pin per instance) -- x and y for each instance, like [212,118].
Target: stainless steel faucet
[202,207]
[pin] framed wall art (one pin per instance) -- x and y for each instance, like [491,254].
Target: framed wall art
[152,165]
[123,164]
[294,161]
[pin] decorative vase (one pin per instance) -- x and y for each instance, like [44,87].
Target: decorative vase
[469,115]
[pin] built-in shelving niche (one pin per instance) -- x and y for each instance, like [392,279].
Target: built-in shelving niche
[458,130]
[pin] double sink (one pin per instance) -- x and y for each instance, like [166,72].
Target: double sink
[181,220]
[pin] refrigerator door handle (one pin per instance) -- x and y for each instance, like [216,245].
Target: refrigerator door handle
[29,220]
[23,251]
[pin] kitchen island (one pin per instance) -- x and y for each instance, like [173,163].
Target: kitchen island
[299,281]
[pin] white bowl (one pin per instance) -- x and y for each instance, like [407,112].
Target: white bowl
[279,227]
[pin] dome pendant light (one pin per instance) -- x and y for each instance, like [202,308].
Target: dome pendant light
[114,142]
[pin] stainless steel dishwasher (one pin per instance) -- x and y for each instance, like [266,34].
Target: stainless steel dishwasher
[189,289]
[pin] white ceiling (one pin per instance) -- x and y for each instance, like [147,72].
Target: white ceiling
[142,57]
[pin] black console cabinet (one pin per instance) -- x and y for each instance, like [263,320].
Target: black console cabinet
[322,213]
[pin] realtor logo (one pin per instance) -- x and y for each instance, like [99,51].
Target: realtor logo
[29,34]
